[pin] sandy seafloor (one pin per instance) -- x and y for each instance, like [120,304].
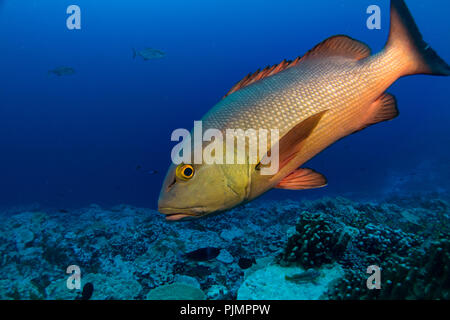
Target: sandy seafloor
[133,253]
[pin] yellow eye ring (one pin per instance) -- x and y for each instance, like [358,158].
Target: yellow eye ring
[185,171]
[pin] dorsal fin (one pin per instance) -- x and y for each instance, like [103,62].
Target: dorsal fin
[261,74]
[335,46]
[339,46]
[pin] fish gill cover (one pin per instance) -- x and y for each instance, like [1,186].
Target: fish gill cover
[86,117]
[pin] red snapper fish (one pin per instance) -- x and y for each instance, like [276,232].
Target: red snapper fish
[336,89]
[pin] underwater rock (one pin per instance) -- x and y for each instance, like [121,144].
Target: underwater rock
[179,278]
[23,236]
[225,257]
[260,263]
[35,221]
[192,239]
[114,287]
[107,287]
[411,216]
[176,291]
[309,275]
[230,234]
[57,290]
[217,292]
[23,289]
[269,283]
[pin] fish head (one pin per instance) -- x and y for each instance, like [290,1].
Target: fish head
[193,191]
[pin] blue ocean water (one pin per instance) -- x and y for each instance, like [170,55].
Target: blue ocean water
[102,136]
[71,141]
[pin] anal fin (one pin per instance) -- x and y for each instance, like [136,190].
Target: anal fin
[382,109]
[302,179]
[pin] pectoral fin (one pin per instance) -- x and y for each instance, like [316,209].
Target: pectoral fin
[302,179]
[291,143]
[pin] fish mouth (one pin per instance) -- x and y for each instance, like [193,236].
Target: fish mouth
[180,214]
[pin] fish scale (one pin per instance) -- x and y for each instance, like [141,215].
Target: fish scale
[285,99]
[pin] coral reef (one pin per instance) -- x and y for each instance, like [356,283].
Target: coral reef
[317,241]
[131,253]
[421,273]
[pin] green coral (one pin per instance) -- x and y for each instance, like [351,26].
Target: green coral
[317,241]
[422,273]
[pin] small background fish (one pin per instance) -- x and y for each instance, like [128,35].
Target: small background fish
[309,275]
[63,71]
[203,254]
[149,54]
[86,294]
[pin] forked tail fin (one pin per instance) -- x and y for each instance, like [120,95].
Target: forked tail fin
[405,36]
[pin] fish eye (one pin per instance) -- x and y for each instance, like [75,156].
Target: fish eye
[185,171]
